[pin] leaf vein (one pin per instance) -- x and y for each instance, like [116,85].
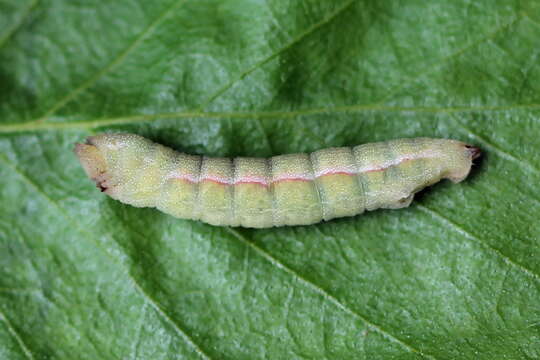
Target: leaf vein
[503,154]
[11,31]
[95,123]
[435,66]
[324,294]
[531,20]
[296,40]
[467,234]
[17,337]
[113,64]
[154,304]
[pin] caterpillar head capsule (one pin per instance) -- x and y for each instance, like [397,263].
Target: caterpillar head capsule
[105,157]
[93,163]
[119,164]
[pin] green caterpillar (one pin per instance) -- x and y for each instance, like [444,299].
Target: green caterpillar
[294,189]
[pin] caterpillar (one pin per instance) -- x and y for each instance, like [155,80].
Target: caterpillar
[293,189]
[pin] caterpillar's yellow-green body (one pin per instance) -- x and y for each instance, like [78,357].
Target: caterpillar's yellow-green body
[295,189]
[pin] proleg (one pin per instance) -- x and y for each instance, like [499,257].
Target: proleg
[293,189]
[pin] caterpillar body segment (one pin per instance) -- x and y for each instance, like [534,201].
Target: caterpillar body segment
[293,189]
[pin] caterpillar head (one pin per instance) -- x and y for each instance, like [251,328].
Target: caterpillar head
[105,158]
[93,163]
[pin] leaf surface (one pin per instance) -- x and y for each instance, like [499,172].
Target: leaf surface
[455,276]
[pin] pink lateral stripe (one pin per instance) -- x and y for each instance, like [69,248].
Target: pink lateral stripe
[262,181]
[216,179]
[185,177]
[334,172]
[240,182]
[251,179]
[283,179]
[395,162]
[295,177]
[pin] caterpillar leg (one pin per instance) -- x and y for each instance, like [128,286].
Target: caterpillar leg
[402,203]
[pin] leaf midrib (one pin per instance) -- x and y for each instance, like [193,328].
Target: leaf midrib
[133,119]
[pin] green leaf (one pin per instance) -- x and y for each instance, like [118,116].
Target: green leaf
[455,276]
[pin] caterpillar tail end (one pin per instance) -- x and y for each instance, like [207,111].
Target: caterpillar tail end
[93,163]
[461,160]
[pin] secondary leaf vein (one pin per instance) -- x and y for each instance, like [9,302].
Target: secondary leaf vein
[435,66]
[17,337]
[114,63]
[265,60]
[460,230]
[503,154]
[134,282]
[12,30]
[327,296]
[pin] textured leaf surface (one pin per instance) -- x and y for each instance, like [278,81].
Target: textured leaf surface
[455,276]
